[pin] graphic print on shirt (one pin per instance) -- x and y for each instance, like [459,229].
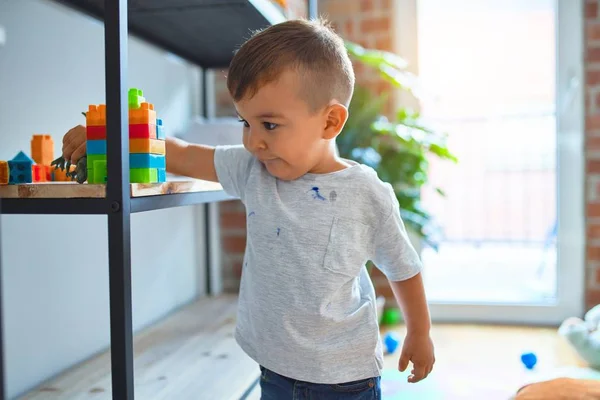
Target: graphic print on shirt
[332,196]
[316,194]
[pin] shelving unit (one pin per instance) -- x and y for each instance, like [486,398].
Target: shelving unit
[204,32]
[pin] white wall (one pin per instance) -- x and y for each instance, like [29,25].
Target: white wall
[55,268]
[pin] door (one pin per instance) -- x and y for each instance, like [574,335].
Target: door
[504,79]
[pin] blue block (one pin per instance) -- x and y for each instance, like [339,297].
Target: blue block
[529,360]
[391,342]
[145,160]
[162,175]
[96,147]
[19,172]
[160,130]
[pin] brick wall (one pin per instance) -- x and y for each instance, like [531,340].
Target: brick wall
[592,146]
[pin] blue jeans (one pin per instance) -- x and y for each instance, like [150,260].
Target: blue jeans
[276,387]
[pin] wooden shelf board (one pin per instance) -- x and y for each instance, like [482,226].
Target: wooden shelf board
[64,190]
[189,355]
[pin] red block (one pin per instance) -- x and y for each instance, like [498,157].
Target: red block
[95,132]
[39,173]
[142,131]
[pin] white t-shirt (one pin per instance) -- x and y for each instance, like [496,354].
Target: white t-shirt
[306,303]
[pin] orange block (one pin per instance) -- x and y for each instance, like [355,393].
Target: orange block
[4,173]
[96,115]
[143,115]
[151,146]
[61,175]
[42,149]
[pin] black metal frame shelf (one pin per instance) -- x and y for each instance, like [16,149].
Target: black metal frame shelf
[173,27]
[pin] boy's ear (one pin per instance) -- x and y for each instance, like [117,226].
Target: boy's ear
[335,119]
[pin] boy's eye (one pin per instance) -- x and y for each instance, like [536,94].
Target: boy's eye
[269,126]
[244,121]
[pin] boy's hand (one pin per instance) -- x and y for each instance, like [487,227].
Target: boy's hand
[74,144]
[418,349]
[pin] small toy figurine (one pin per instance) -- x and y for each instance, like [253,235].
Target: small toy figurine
[80,173]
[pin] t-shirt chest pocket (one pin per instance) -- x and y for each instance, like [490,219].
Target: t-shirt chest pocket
[349,246]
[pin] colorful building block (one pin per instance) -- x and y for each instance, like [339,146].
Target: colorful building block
[20,169]
[96,115]
[96,147]
[160,130]
[150,146]
[40,173]
[142,131]
[143,115]
[162,175]
[91,158]
[4,173]
[135,98]
[143,175]
[143,160]
[95,132]
[97,174]
[42,149]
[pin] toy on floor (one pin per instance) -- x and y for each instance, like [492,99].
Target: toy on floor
[529,360]
[391,342]
[584,335]
[391,316]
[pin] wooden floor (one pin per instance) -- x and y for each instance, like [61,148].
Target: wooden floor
[190,355]
[479,362]
[193,355]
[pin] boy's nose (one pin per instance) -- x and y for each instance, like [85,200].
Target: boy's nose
[256,142]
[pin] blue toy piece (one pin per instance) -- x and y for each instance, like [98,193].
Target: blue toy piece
[96,147]
[391,342]
[162,175]
[145,160]
[160,130]
[529,360]
[20,169]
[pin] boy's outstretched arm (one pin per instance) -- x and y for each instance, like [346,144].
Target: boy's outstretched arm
[418,346]
[189,159]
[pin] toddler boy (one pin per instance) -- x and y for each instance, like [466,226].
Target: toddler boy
[307,311]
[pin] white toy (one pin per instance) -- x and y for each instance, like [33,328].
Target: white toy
[584,335]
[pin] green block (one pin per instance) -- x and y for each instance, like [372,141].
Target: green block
[91,158]
[98,172]
[135,98]
[391,316]
[143,175]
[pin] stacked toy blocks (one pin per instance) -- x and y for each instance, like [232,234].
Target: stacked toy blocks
[42,152]
[147,148]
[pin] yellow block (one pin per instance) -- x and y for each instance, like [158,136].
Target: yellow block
[151,146]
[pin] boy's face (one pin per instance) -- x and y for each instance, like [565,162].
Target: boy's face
[280,129]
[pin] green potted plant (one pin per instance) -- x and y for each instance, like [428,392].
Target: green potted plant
[398,148]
